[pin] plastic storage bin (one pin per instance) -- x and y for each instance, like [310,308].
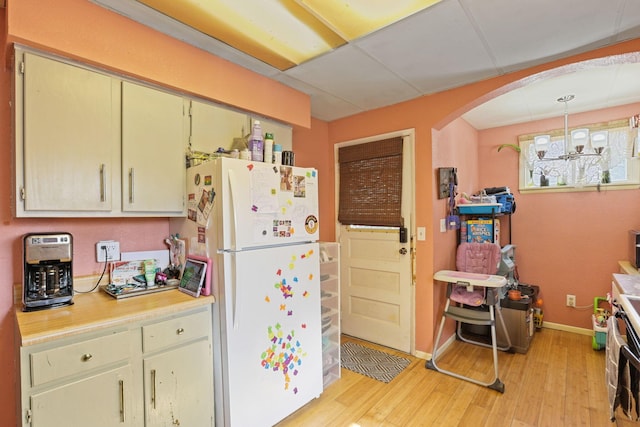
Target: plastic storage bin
[599,320]
[479,208]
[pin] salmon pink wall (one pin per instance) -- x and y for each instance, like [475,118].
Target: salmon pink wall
[567,243]
[434,112]
[311,150]
[456,145]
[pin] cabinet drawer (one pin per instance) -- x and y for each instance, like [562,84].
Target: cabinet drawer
[175,331]
[55,363]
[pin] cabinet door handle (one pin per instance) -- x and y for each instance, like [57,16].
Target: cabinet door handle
[103,183]
[86,357]
[153,388]
[122,401]
[180,331]
[131,176]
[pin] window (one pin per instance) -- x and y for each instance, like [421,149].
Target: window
[596,155]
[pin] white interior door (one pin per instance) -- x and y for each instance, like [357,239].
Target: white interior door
[376,281]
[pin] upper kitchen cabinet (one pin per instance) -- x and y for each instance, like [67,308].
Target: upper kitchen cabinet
[153,152]
[213,127]
[67,138]
[89,144]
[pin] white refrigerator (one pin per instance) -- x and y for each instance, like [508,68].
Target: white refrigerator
[258,223]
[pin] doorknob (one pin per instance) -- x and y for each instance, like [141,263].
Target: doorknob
[403,251]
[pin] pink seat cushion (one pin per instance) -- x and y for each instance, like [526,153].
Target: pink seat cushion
[479,258]
[460,294]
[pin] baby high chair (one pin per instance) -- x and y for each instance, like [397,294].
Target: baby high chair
[475,292]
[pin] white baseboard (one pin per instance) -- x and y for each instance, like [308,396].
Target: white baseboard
[567,328]
[427,356]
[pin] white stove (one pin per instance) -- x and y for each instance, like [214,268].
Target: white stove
[626,291]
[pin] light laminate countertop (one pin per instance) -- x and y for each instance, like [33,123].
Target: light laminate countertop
[628,284]
[97,310]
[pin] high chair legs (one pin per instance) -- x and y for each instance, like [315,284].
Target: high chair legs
[474,317]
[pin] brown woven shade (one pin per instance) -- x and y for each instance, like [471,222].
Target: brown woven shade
[371,183]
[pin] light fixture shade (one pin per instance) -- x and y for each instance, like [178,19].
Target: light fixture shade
[579,139]
[599,140]
[286,33]
[541,143]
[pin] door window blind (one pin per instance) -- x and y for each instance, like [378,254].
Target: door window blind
[371,183]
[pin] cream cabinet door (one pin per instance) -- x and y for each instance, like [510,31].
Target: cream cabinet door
[68,136]
[282,134]
[153,152]
[102,400]
[213,127]
[179,387]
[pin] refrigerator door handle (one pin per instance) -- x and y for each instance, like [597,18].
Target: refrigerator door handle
[233,186]
[231,287]
[234,292]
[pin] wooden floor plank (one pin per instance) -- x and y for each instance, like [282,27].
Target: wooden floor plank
[559,381]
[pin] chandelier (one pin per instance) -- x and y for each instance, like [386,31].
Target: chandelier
[576,160]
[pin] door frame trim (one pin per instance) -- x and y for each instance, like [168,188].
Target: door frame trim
[408,139]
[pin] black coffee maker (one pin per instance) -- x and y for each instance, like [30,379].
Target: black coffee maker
[48,273]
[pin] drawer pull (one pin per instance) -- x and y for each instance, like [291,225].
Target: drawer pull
[86,357]
[103,184]
[131,176]
[121,401]
[180,331]
[153,388]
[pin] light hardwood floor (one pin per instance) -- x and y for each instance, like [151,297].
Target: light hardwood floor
[559,382]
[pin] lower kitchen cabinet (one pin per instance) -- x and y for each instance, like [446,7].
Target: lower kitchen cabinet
[99,400]
[155,372]
[177,387]
[178,371]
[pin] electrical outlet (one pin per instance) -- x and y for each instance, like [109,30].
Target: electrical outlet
[443,225]
[108,250]
[571,300]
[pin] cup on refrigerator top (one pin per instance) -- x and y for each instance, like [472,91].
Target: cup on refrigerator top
[288,158]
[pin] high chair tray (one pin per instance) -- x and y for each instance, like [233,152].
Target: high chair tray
[474,279]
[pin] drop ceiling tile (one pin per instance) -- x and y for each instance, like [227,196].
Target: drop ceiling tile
[351,75]
[521,32]
[629,23]
[433,50]
[324,105]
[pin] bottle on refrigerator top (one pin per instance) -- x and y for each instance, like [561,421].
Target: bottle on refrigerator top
[256,142]
[277,154]
[268,148]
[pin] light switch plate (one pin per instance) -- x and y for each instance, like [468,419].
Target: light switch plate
[422,233]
